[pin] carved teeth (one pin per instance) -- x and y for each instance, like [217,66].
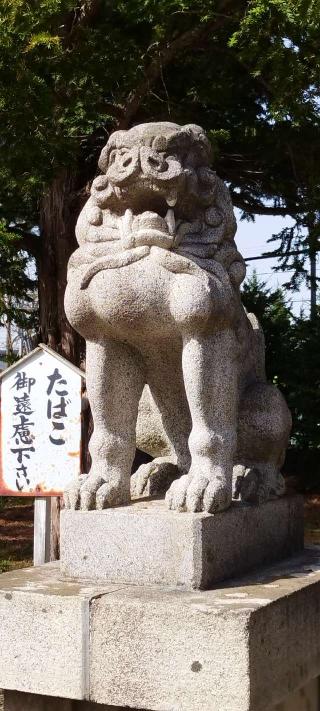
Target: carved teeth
[171,222]
[127,220]
[126,228]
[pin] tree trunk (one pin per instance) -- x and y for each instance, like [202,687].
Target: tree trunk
[59,210]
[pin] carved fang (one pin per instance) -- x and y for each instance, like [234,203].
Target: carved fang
[171,221]
[126,228]
[127,220]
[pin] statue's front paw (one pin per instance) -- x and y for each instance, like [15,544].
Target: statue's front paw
[71,494]
[153,478]
[92,491]
[198,493]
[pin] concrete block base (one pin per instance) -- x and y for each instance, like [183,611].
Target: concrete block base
[145,544]
[244,646]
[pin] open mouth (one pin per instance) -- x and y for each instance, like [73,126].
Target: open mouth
[148,214]
[144,212]
[148,228]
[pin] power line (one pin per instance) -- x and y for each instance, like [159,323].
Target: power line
[268,255]
[272,273]
[313,270]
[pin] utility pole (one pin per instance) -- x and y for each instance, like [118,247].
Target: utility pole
[313,282]
[313,243]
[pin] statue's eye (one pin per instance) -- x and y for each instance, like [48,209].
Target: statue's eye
[126,161]
[112,157]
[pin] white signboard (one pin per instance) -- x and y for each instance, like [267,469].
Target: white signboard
[40,425]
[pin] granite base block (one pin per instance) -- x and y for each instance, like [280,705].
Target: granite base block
[145,544]
[241,647]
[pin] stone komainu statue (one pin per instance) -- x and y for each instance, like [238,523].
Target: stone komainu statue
[174,363]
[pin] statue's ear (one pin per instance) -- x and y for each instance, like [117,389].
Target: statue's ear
[201,150]
[116,140]
[104,158]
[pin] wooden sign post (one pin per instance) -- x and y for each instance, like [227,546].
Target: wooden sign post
[42,530]
[40,436]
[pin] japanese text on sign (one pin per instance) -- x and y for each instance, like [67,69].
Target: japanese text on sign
[40,425]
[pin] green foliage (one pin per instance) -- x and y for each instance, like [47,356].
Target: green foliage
[292,357]
[304,377]
[17,289]
[275,317]
[13,263]
[248,71]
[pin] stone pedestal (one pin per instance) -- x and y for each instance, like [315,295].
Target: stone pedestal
[242,647]
[145,544]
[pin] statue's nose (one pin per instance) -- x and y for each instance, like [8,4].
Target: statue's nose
[152,162]
[162,168]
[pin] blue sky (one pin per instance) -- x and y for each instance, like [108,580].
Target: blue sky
[251,239]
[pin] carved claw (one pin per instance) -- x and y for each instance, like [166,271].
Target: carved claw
[198,494]
[91,492]
[153,478]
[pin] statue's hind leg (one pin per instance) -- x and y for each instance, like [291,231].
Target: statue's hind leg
[263,432]
[164,421]
[114,385]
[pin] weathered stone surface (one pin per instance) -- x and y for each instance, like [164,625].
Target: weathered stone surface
[154,290]
[145,544]
[241,647]
[44,633]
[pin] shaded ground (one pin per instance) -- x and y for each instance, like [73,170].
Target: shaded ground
[312,518]
[16,534]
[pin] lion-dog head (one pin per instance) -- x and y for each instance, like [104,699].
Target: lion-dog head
[157,189]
